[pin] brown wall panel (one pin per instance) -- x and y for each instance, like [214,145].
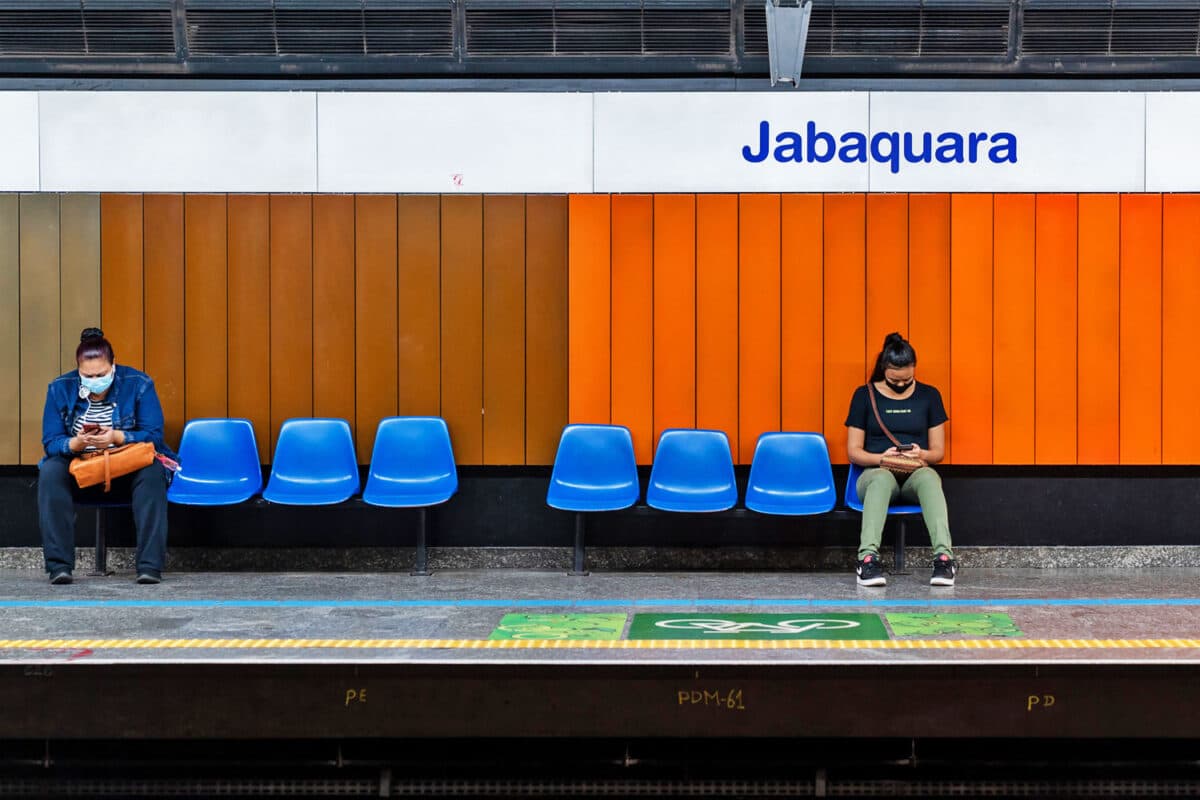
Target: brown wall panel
[334,317]
[10,329]
[121,303]
[291,309]
[545,325]
[40,353]
[79,289]
[462,324]
[504,329]
[419,286]
[163,250]
[250,315]
[375,315]
[206,305]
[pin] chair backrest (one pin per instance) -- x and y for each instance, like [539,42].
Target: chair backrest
[594,469]
[413,457]
[221,450]
[791,474]
[316,450]
[692,471]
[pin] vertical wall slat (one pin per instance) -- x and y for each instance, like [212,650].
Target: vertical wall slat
[10,329]
[1141,329]
[79,298]
[1013,328]
[845,362]
[420,322]
[971,326]
[121,289]
[206,300]
[504,329]
[163,250]
[39,293]
[1055,350]
[887,270]
[589,292]
[291,309]
[674,312]
[717,313]
[375,310]
[633,320]
[1181,299]
[249,226]
[802,328]
[758,320]
[545,325]
[1099,312]
[462,324]
[929,290]
[334,360]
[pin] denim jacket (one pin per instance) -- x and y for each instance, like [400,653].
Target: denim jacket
[136,410]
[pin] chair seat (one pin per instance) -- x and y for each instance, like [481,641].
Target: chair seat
[790,475]
[219,464]
[594,470]
[325,495]
[692,472]
[186,491]
[853,501]
[407,494]
[315,464]
[412,464]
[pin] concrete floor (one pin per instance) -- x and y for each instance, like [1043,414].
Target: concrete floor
[1063,604]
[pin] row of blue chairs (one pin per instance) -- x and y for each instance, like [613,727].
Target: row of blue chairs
[315,463]
[790,474]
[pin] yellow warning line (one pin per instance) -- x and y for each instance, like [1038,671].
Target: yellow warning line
[564,644]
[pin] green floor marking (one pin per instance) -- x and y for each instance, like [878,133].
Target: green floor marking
[973,625]
[560,626]
[757,626]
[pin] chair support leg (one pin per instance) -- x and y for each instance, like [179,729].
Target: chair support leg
[101,569]
[422,566]
[900,546]
[579,552]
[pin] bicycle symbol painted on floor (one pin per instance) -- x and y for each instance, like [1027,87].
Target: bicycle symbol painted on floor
[729,626]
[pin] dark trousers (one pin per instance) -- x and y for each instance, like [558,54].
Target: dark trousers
[58,493]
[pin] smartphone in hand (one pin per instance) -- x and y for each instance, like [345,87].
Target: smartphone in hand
[904,447]
[90,428]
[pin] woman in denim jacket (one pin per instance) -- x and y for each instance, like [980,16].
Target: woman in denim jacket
[101,404]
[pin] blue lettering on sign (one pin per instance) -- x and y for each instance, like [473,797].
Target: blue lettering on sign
[886,147]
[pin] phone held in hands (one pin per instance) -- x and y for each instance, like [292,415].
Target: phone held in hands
[904,447]
[90,428]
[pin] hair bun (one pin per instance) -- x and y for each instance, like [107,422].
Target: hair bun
[91,333]
[893,338]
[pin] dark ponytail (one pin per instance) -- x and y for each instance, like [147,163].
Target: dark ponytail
[896,352]
[92,344]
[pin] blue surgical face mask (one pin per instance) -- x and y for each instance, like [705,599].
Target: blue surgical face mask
[98,385]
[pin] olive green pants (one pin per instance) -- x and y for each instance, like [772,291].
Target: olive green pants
[878,488]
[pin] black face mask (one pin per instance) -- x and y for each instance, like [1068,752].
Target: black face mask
[898,388]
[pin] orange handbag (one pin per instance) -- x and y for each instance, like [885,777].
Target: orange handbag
[101,466]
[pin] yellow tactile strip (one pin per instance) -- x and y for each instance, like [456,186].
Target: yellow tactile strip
[562,644]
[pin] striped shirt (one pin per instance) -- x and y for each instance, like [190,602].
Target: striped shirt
[97,414]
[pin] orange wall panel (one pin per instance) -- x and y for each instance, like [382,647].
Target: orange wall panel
[1098,324]
[589,309]
[802,328]
[845,340]
[633,319]
[971,326]
[1013,329]
[1181,299]
[674,312]
[887,270]
[929,294]
[1057,326]
[717,313]
[1141,329]
[758,320]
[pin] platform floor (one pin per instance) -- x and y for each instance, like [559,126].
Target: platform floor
[1000,615]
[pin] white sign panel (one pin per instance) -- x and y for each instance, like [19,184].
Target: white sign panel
[732,141]
[1173,142]
[1007,142]
[19,141]
[447,142]
[178,141]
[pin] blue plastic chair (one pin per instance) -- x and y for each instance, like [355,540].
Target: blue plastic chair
[900,510]
[594,470]
[791,475]
[219,464]
[412,466]
[315,464]
[692,472]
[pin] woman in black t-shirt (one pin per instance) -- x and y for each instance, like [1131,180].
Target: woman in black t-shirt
[914,414]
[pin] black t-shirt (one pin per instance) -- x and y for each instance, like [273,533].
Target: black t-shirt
[909,420]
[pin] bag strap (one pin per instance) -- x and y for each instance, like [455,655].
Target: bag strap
[879,419]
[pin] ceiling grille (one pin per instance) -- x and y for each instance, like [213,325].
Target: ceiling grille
[86,28]
[1108,28]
